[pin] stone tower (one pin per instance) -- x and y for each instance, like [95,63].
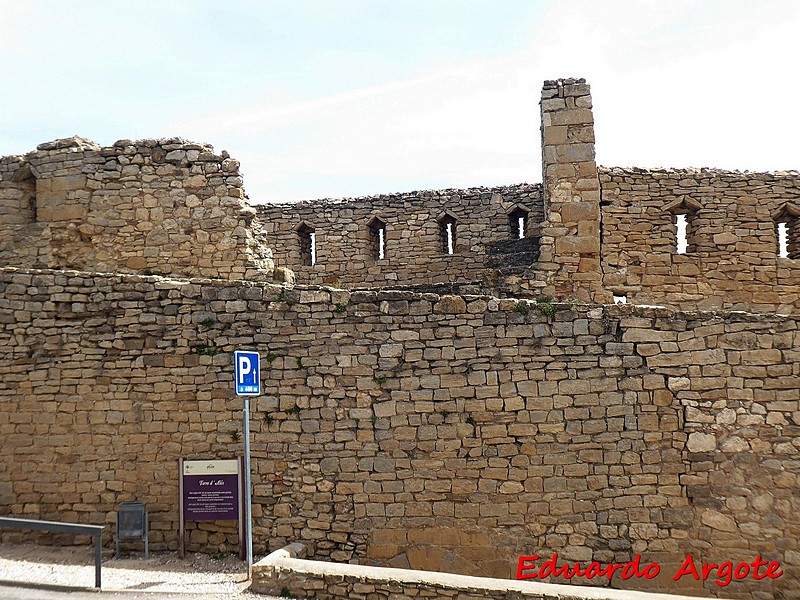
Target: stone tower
[571,230]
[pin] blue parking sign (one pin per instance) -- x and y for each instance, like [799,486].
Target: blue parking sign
[247,371]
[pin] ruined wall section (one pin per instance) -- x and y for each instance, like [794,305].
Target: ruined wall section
[156,206]
[732,256]
[486,250]
[439,432]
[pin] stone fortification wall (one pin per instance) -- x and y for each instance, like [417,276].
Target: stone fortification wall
[163,206]
[175,208]
[416,250]
[732,256]
[437,432]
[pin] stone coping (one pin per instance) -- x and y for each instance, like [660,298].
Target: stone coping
[285,560]
[397,197]
[697,171]
[310,294]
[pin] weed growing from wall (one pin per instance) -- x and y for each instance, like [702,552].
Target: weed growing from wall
[546,306]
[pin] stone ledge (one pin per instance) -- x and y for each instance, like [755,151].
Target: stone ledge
[282,571]
[303,295]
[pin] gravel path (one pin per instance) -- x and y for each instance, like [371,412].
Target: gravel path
[62,571]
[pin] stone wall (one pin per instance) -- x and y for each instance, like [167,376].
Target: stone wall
[732,257]
[414,430]
[416,250]
[154,206]
[175,208]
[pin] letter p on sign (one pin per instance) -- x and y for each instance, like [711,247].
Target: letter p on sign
[247,369]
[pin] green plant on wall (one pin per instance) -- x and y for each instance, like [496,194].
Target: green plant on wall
[205,350]
[207,324]
[521,308]
[210,323]
[546,306]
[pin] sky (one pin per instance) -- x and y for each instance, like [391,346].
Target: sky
[345,98]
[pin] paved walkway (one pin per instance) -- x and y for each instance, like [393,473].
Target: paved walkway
[30,572]
[31,592]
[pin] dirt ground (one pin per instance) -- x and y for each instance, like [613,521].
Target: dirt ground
[65,570]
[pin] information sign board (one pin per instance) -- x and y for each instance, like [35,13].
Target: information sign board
[211,490]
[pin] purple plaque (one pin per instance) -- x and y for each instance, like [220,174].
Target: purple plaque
[211,497]
[211,490]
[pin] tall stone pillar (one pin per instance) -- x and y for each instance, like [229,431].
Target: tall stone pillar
[570,243]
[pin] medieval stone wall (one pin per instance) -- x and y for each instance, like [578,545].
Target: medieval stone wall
[484,231]
[175,208]
[732,257]
[424,430]
[160,206]
[441,432]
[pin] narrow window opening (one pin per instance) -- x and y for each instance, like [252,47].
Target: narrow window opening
[308,245]
[448,228]
[787,230]
[32,206]
[518,221]
[783,240]
[450,235]
[620,299]
[681,233]
[378,235]
[27,183]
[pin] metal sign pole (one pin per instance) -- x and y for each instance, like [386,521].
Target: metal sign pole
[247,382]
[240,522]
[248,501]
[181,517]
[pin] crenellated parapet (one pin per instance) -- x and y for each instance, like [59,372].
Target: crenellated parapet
[704,238]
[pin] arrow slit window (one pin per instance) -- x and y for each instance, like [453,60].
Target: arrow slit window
[683,211]
[518,222]
[447,226]
[377,231]
[308,245]
[783,240]
[681,233]
[787,230]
